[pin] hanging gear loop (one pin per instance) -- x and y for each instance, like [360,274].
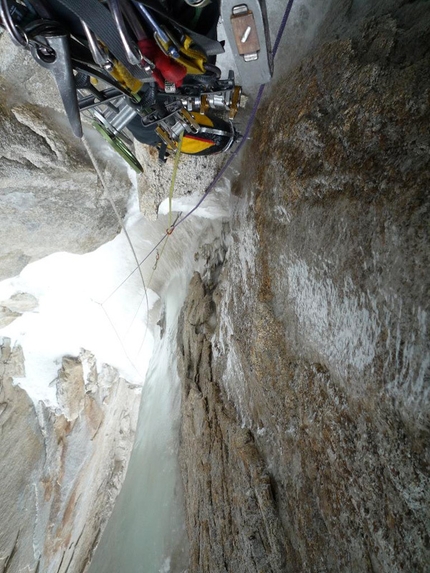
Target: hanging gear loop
[233,156]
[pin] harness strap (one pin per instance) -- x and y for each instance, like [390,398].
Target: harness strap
[99,19]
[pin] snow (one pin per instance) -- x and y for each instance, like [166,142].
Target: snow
[83,303]
[146,526]
[216,205]
[97,301]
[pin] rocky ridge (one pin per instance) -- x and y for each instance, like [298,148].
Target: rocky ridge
[61,468]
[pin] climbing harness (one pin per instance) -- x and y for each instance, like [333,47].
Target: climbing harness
[181,219]
[251,118]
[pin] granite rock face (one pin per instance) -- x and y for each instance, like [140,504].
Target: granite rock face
[193,176]
[15,306]
[50,197]
[304,349]
[61,469]
[232,515]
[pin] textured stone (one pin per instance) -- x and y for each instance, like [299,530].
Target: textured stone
[14,307]
[194,175]
[71,387]
[22,457]
[50,198]
[305,359]
[232,518]
[62,471]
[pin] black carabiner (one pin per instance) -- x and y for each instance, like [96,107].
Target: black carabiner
[13,30]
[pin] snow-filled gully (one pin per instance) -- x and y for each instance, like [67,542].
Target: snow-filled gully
[97,303]
[146,530]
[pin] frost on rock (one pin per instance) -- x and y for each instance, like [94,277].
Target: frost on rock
[315,328]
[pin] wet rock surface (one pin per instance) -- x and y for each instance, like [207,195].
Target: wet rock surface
[304,350]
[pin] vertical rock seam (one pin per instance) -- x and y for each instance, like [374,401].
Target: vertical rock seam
[232,519]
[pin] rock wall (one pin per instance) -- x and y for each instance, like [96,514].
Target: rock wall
[193,177]
[304,350]
[50,198]
[232,516]
[61,470]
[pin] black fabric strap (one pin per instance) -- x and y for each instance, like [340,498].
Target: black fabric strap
[99,19]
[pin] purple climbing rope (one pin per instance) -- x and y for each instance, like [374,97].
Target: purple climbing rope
[244,139]
[282,28]
[249,124]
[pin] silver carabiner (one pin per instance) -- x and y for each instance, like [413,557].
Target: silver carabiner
[131,50]
[99,56]
[13,30]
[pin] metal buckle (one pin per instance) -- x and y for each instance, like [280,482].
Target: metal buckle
[245,32]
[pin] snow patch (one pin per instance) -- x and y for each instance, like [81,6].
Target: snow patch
[215,206]
[93,301]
